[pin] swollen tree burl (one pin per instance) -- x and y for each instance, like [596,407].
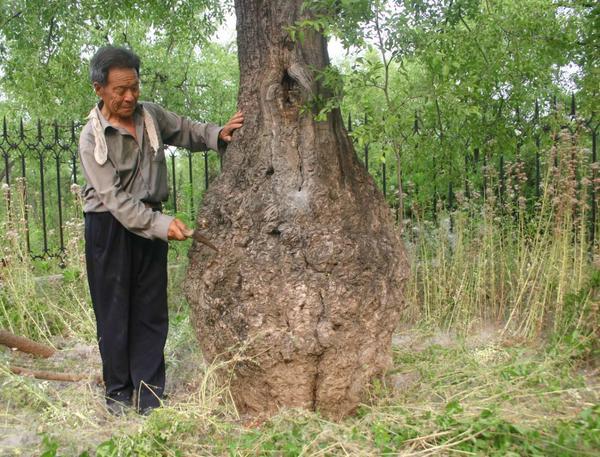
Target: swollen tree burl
[308,281]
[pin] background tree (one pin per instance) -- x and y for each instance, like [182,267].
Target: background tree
[446,86]
[45,48]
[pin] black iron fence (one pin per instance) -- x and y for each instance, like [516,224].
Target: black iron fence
[41,177]
[41,181]
[491,174]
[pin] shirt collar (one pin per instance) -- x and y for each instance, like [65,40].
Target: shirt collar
[137,116]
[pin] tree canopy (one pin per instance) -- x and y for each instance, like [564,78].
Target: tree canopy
[436,84]
[430,84]
[45,47]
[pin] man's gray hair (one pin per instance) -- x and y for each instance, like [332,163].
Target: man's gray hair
[109,57]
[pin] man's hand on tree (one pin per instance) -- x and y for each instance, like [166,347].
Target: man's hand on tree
[177,230]
[236,121]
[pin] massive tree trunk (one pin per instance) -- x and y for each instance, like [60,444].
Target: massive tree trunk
[309,276]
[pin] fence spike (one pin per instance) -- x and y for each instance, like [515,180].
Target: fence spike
[416,124]
[573,106]
[191,180]
[484,180]
[594,205]
[434,204]
[39,130]
[4,130]
[21,130]
[174,182]
[536,116]
[74,167]
[537,168]
[501,188]
[349,122]
[205,170]
[72,130]
[384,176]
[56,131]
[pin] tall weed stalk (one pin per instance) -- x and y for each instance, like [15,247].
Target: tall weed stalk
[528,271]
[33,306]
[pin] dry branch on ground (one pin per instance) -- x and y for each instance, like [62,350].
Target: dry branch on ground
[26,345]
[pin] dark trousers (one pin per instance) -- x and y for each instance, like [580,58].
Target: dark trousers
[127,275]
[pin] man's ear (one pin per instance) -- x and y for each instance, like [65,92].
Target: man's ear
[98,89]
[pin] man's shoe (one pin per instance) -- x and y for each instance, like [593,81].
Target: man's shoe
[117,408]
[147,410]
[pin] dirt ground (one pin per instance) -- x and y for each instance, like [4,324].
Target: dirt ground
[31,409]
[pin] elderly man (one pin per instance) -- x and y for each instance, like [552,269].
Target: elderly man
[122,155]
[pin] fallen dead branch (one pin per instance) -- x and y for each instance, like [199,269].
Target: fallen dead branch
[25,344]
[54,376]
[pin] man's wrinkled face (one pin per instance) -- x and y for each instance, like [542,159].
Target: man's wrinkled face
[121,92]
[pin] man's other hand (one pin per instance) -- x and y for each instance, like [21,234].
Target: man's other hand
[236,121]
[177,230]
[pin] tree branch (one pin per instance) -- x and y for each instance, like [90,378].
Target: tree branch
[49,40]
[386,63]
[54,376]
[476,41]
[14,16]
[25,344]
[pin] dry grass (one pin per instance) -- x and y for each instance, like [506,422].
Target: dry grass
[496,356]
[534,274]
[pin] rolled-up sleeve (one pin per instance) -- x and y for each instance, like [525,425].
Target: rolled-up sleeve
[182,132]
[129,211]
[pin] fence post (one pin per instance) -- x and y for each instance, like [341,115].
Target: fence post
[219,154]
[434,206]
[42,186]
[24,199]
[450,205]
[384,177]
[467,191]
[172,154]
[7,169]
[73,154]
[537,167]
[5,153]
[205,170]
[484,180]
[501,188]
[366,150]
[536,118]
[593,193]
[189,154]
[57,154]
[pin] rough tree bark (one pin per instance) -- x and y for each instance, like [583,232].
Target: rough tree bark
[310,270]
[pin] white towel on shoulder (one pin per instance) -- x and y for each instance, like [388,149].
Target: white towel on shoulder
[101,150]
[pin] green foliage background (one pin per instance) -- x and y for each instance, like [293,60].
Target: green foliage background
[442,88]
[447,95]
[45,47]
